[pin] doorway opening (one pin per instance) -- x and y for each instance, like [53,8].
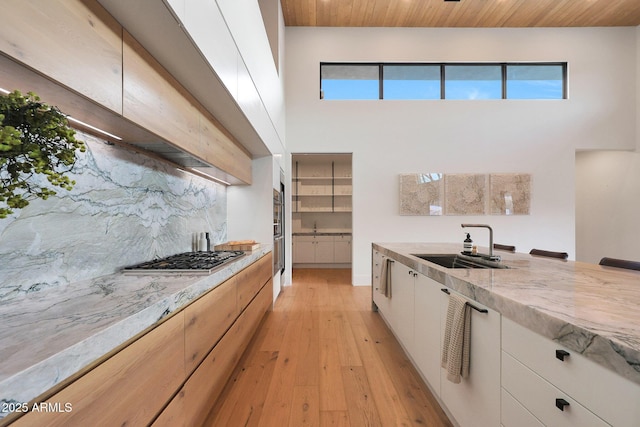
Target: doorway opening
[321,210]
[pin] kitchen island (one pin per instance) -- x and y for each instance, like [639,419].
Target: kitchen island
[588,311]
[48,336]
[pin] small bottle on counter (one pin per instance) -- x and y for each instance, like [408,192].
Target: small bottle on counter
[208,242]
[202,245]
[468,244]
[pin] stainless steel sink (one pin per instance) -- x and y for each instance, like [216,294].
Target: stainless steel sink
[460,261]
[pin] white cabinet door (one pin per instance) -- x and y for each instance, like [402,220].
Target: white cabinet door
[342,249]
[401,303]
[426,337]
[475,401]
[324,249]
[304,249]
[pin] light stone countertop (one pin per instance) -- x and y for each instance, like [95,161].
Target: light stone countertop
[47,336]
[590,309]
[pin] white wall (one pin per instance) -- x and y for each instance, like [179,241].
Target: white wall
[607,205]
[392,137]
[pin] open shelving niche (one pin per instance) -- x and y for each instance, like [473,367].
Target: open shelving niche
[319,188]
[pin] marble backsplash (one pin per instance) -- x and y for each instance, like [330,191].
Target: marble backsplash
[125,208]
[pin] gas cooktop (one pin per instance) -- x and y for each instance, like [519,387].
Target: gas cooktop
[202,263]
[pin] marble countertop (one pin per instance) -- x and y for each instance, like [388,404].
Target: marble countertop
[47,336]
[590,309]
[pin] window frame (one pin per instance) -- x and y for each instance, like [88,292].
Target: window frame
[504,65]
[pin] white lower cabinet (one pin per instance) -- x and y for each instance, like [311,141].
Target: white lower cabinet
[416,313]
[552,406]
[596,395]
[517,378]
[398,309]
[427,339]
[324,249]
[401,303]
[475,401]
[321,249]
[342,249]
[514,414]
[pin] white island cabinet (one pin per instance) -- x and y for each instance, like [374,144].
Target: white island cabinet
[397,310]
[475,401]
[416,314]
[552,343]
[559,386]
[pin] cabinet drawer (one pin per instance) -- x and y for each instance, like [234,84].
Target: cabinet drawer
[516,415]
[203,388]
[129,388]
[614,398]
[540,397]
[252,278]
[207,319]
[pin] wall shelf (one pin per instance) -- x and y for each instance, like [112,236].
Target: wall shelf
[322,187]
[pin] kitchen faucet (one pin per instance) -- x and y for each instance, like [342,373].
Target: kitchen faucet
[491,256]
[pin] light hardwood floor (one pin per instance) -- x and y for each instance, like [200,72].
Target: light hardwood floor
[323,358]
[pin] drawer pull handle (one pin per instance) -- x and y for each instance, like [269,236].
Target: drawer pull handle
[481,310]
[561,403]
[561,354]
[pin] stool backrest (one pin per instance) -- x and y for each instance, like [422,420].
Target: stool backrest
[504,247]
[550,254]
[620,263]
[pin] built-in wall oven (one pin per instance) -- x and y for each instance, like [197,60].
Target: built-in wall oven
[278,228]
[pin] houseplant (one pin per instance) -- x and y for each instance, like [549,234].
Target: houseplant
[35,139]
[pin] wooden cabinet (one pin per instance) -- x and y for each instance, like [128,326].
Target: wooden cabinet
[129,388]
[192,403]
[155,100]
[536,371]
[475,401]
[251,280]
[207,319]
[74,42]
[98,73]
[171,375]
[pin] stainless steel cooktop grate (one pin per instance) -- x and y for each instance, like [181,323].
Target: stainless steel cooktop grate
[187,262]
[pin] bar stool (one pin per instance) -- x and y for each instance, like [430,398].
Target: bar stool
[620,263]
[550,254]
[500,247]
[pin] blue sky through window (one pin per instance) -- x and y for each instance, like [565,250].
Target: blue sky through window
[420,82]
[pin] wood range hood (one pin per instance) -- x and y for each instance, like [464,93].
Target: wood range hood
[171,106]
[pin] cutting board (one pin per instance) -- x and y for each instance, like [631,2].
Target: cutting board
[243,245]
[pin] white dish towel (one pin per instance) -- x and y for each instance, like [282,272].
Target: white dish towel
[385,277]
[457,339]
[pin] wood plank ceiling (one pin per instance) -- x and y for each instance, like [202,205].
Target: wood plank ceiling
[465,13]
